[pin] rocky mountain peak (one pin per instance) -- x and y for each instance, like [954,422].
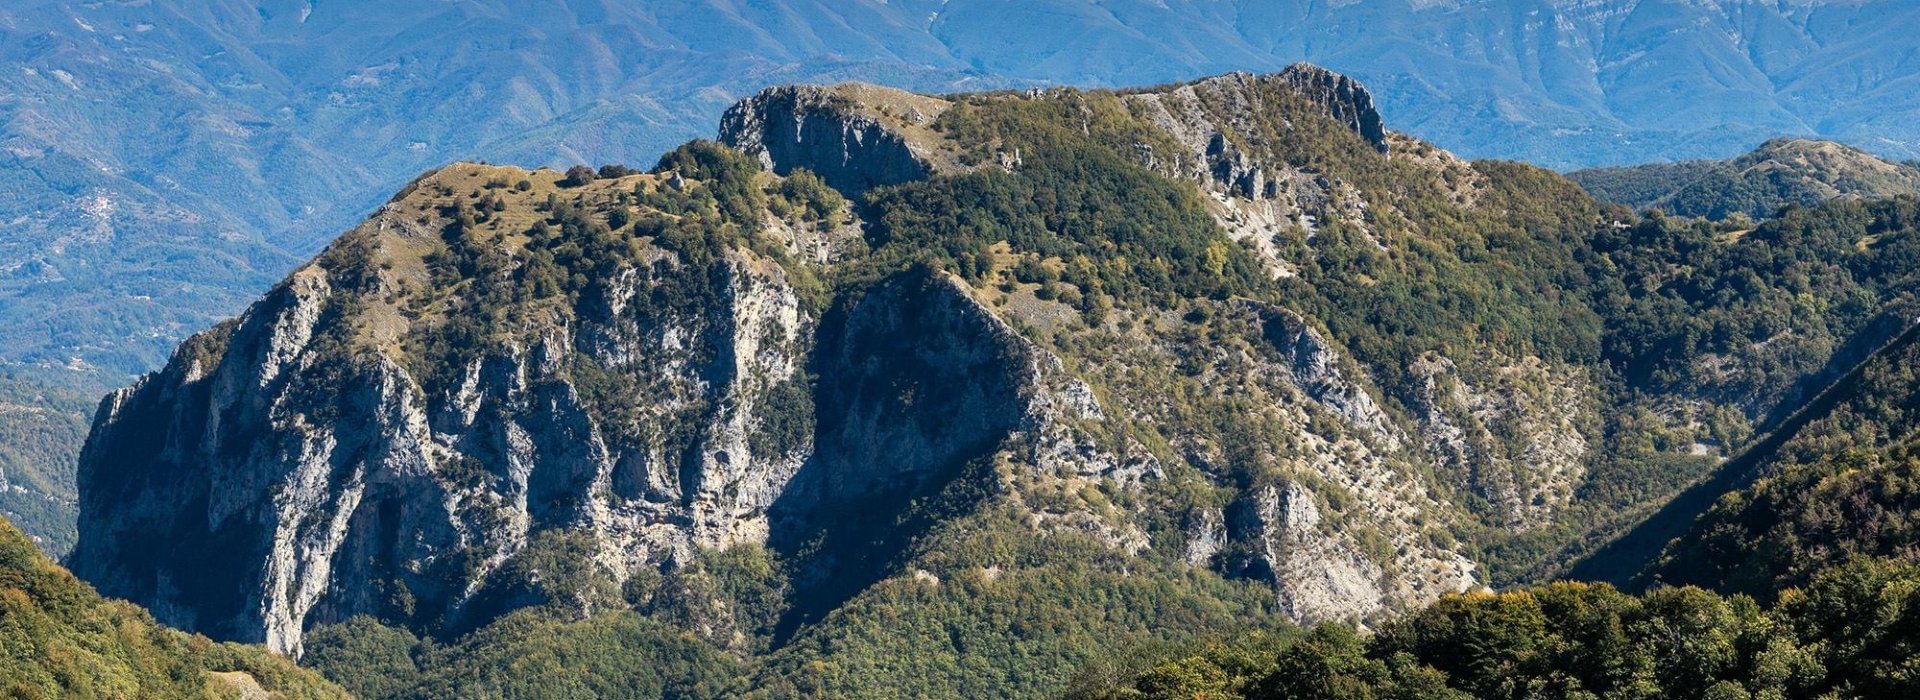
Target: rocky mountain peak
[1344,98]
[855,136]
[858,136]
[1060,319]
[440,395]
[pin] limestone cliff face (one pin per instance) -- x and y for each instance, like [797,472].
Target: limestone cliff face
[915,376]
[1518,439]
[1366,550]
[1324,373]
[265,481]
[1317,577]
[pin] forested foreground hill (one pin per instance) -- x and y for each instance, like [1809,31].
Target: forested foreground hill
[1009,380]
[60,640]
[1852,632]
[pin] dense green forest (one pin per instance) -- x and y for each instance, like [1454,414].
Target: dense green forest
[60,640]
[994,612]
[1639,186]
[1852,632]
[530,654]
[1754,317]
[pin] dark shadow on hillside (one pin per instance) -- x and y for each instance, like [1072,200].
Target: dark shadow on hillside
[917,388]
[1621,561]
[1877,333]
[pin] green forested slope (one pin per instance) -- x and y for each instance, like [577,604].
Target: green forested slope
[967,632]
[1842,486]
[1755,318]
[58,639]
[1852,632]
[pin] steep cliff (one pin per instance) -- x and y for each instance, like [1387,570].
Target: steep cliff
[390,428]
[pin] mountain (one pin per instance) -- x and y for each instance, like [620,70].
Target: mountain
[59,639]
[1028,362]
[1781,172]
[462,371]
[1041,372]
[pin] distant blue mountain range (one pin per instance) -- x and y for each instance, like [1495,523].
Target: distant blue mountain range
[164,161]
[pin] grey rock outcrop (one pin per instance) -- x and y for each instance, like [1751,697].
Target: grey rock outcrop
[1223,130]
[1343,97]
[1317,577]
[1518,439]
[835,132]
[1324,373]
[915,378]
